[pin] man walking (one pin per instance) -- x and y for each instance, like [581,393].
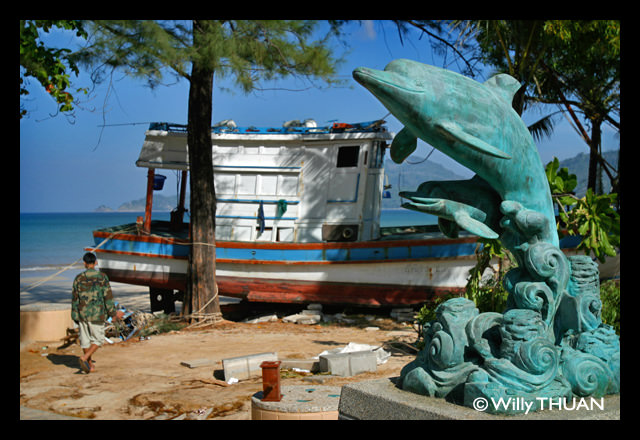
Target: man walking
[91,305]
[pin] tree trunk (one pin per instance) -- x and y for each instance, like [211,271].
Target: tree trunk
[594,157]
[201,284]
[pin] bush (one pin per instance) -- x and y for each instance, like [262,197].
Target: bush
[486,290]
[610,297]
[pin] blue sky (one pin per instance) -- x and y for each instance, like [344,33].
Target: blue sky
[76,165]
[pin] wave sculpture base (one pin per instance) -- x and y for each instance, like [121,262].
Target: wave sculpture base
[521,356]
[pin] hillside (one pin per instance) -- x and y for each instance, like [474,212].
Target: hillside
[404,177]
[579,165]
[407,177]
[160,203]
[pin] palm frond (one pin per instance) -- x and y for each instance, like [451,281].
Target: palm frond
[542,128]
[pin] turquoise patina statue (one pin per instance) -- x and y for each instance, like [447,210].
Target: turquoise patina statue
[550,342]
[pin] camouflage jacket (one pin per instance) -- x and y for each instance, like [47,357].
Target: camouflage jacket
[92,300]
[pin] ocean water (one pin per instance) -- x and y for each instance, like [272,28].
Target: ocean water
[58,239]
[52,240]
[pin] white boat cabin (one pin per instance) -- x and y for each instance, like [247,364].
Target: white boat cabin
[299,183]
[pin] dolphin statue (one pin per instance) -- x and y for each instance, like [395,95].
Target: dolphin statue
[468,204]
[474,124]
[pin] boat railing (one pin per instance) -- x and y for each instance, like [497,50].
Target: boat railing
[368,127]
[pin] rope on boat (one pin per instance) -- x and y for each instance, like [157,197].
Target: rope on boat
[44,280]
[200,243]
[203,318]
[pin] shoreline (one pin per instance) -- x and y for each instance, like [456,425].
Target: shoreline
[57,291]
[51,267]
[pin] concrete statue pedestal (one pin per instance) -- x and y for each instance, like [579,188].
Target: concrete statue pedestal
[382,400]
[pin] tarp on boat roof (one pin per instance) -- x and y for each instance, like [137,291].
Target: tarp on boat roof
[165,144]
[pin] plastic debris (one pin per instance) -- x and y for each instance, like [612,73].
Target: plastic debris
[381,355]
[266,318]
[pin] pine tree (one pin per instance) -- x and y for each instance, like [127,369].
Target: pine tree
[249,51]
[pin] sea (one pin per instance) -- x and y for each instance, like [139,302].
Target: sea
[56,240]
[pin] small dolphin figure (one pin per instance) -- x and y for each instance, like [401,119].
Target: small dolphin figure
[468,204]
[471,122]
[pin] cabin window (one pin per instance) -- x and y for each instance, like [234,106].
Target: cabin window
[267,185]
[348,157]
[247,184]
[284,234]
[264,235]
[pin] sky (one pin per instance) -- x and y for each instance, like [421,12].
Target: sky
[76,164]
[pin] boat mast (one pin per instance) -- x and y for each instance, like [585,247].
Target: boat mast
[149,203]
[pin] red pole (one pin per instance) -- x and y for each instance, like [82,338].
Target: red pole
[147,209]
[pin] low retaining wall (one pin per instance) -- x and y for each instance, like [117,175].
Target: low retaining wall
[44,321]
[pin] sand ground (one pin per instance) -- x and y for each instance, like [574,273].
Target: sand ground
[145,379]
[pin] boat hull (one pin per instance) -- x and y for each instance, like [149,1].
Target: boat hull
[374,273]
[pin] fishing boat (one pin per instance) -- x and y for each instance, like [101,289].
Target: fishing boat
[297,221]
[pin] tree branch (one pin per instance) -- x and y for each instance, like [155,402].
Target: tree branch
[440,39]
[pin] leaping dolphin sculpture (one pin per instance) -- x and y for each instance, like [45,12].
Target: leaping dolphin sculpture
[473,123]
[509,198]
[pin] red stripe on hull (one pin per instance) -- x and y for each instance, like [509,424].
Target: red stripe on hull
[330,293]
[279,291]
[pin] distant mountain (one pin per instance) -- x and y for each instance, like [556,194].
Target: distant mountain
[403,177]
[407,177]
[579,165]
[160,203]
[103,208]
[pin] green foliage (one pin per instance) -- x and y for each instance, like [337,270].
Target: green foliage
[428,311]
[49,66]
[162,324]
[592,216]
[597,37]
[560,181]
[426,314]
[246,51]
[610,297]
[267,49]
[488,292]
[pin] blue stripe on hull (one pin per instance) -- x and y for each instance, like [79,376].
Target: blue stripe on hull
[356,254]
[403,252]
[162,249]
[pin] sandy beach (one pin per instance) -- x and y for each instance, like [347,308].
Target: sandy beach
[146,379]
[57,290]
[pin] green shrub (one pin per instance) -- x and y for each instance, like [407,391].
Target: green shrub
[610,297]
